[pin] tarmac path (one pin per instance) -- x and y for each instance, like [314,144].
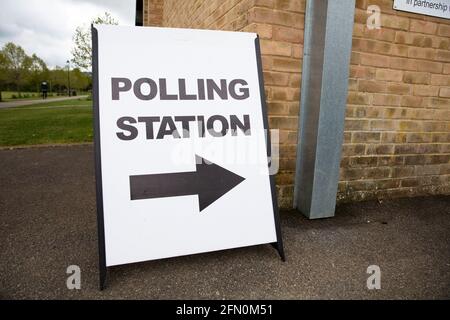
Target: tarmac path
[48,222]
[19,103]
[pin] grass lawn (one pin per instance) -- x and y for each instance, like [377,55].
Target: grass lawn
[67,121]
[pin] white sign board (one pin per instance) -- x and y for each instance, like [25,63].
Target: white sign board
[180,143]
[435,8]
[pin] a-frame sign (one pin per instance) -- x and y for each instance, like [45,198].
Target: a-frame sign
[180,144]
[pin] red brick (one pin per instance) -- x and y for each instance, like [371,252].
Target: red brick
[423,26]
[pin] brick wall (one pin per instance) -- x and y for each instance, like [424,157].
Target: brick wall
[280,24]
[153,12]
[213,14]
[397,130]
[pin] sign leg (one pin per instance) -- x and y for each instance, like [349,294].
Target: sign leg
[103,272]
[279,248]
[278,245]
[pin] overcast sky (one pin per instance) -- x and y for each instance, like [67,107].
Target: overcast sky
[46,27]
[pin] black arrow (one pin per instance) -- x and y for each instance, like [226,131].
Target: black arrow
[209,182]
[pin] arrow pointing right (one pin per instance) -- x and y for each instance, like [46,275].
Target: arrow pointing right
[209,182]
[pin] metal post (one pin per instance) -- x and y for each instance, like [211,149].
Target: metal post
[326,60]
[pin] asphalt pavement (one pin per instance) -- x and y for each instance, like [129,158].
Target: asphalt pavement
[19,103]
[48,222]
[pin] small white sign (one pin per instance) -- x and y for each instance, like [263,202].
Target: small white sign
[181,135]
[435,8]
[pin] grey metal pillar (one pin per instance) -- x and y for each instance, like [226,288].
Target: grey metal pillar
[326,60]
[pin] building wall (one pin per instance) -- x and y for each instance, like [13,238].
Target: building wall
[397,129]
[213,14]
[153,12]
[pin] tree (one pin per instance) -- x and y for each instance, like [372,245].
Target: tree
[17,62]
[38,72]
[58,79]
[79,79]
[82,49]
[3,72]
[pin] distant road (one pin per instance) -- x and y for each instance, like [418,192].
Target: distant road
[10,104]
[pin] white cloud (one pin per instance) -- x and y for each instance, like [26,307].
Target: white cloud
[46,27]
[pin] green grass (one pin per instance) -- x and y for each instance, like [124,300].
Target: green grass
[67,121]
